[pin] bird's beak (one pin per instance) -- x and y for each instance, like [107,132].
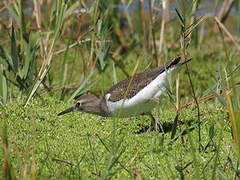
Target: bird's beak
[71,109]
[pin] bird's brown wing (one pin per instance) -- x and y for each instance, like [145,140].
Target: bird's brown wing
[131,86]
[127,88]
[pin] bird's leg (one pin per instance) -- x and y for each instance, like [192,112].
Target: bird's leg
[155,124]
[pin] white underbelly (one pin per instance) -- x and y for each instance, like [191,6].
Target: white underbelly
[137,109]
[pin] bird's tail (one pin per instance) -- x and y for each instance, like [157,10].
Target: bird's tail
[175,62]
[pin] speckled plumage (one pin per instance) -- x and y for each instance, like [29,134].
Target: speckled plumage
[137,82]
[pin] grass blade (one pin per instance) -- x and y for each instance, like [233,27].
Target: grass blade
[3,86]
[14,52]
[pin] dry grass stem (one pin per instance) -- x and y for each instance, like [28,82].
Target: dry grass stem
[222,26]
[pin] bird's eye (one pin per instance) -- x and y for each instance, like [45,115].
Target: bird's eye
[78,104]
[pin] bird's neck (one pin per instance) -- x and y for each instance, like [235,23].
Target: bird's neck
[98,108]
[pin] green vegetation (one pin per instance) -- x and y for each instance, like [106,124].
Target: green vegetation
[50,58]
[80,145]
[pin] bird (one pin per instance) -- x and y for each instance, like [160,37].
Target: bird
[137,95]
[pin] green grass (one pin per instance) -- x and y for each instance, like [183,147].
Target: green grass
[37,136]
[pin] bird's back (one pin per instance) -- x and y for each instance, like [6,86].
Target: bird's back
[129,87]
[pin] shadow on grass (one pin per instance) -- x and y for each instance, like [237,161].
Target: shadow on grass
[169,126]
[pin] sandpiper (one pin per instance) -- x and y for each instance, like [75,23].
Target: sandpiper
[136,95]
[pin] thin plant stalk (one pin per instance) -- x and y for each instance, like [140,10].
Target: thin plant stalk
[155,53]
[225,10]
[230,36]
[165,17]
[185,40]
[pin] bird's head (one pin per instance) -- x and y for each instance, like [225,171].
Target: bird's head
[86,103]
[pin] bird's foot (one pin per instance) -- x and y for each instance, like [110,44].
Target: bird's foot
[156,126]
